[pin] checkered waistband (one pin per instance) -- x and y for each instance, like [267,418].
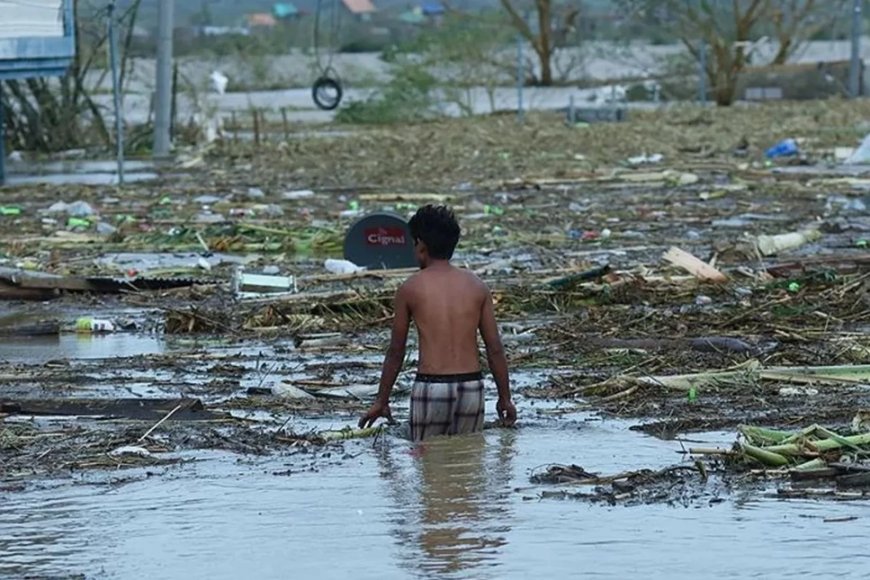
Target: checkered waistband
[460,378]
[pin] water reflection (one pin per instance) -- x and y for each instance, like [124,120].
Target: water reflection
[451,511]
[78,346]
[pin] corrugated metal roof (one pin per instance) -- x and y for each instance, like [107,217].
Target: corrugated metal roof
[261,19]
[285,9]
[432,8]
[359,6]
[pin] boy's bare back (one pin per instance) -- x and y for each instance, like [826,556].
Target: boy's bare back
[447,305]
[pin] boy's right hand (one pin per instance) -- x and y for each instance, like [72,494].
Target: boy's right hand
[507,412]
[376,411]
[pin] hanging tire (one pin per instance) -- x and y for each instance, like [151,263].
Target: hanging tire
[327,93]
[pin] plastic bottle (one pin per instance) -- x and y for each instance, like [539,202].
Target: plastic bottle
[87,325]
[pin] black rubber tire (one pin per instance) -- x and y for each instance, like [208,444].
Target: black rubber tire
[321,100]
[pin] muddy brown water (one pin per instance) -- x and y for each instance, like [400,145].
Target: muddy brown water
[455,508]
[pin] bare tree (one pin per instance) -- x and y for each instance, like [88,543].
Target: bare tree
[553,23]
[731,30]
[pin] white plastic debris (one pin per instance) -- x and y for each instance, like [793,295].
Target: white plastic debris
[646,159]
[350,213]
[106,229]
[219,82]
[80,209]
[75,209]
[798,392]
[286,391]
[861,156]
[341,267]
[297,194]
[130,450]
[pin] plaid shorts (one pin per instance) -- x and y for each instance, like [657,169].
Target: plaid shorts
[446,405]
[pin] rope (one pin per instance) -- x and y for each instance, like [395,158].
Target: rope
[333,35]
[327,90]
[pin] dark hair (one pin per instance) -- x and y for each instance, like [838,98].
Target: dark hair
[436,226]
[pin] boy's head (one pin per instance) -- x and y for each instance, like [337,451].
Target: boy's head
[435,232]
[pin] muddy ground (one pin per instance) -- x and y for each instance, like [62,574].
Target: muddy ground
[540,205]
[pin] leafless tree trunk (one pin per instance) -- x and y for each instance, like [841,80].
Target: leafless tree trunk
[729,28]
[542,41]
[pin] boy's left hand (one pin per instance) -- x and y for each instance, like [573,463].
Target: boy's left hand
[376,411]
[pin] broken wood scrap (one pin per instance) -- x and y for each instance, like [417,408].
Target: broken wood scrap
[701,344]
[693,265]
[25,284]
[134,408]
[588,275]
[752,371]
[33,329]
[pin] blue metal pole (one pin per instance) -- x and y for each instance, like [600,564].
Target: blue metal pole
[520,78]
[116,90]
[855,61]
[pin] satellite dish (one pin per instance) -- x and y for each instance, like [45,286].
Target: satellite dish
[380,241]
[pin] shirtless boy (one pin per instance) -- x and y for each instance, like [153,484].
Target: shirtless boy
[448,306]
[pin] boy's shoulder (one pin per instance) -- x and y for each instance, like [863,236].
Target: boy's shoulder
[424,277]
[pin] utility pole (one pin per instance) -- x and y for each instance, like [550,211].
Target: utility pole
[116,92]
[2,140]
[855,66]
[702,72]
[163,98]
[520,78]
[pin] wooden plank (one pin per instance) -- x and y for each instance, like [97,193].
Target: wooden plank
[693,265]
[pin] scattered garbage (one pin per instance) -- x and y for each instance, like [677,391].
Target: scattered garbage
[7,210]
[208,217]
[106,229]
[86,325]
[207,199]
[297,194]
[693,265]
[75,209]
[75,222]
[785,148]
[242,212]
[287,391]
[849,205]
[645,159]
[219,82]
[350,213]
[772,245]
[130,450]
[341,266]
[255,193]
[861,155]
[247,285]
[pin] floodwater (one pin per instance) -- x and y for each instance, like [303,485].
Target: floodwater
[78,346]
[460,508]
[389,510]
